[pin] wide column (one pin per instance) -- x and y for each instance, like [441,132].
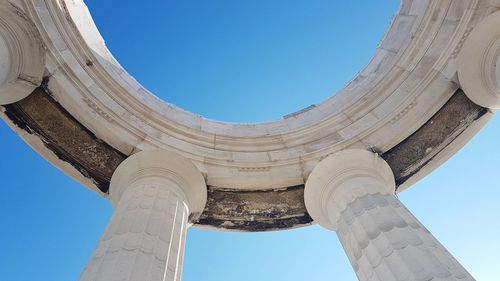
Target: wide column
[22,55]
[353,193]
[154,194]
[479,63]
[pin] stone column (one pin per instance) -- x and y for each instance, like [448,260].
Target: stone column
[22,56]
[479,63]
[352,192]
[154,194]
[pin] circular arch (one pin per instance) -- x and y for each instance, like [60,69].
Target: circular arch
[404,84]
[89,115]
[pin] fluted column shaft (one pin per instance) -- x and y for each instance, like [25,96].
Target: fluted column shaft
[384,241]
[155,194]
[352,192]
[145,236]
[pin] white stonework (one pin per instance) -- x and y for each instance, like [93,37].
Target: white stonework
[154,194]
[430,50]
[354,168]
[22,56]
[4,61]
[352,192]
[411,76]
[479,68]
[144,239]
[498,72]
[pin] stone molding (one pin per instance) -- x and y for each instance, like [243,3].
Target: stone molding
[22,55]
[64,142]
[411,76]
[163,168]
[390,107]
[479,63]
[341,178]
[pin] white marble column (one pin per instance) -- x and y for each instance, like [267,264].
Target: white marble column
[22,55]
[4,60]
[479,63]
[154,193]
[352,192]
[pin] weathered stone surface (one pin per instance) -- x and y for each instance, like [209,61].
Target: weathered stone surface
[412,74]
[231,209]
[255,210]
[412,154]
[41,115]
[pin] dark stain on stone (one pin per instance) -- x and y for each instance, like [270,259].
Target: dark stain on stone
[41,115]
[256,226]
[257,210]
[251,210]
[411,155]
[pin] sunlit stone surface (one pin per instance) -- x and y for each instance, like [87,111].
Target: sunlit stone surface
[153,193]
[353,192]
[145,237]
[96,116]
[384,241]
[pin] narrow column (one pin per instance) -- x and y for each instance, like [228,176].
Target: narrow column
[352,192]
[154,194]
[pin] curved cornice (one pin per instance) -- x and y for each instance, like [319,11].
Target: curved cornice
[406,105]
[410,77]
[67,144]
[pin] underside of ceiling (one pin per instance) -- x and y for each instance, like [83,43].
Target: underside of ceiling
[258,210]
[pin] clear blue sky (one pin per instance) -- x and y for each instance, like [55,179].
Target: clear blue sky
[241,61]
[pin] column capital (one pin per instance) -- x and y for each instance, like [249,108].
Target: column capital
[163,167]
[340,179]
[479,63]
[22,55]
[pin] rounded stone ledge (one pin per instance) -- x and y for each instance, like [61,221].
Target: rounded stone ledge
[348,170]
[479,63]
[22,55]
[395,94]
[160,166]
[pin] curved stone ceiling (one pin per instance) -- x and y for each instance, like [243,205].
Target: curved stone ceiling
[406,104]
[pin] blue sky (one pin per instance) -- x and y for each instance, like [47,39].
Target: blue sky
[241,61]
